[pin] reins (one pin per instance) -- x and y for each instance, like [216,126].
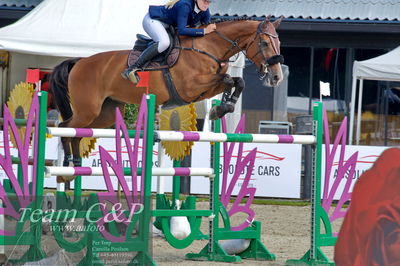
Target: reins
[216,59]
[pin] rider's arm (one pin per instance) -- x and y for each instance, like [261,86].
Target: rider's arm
[182,20]
[206,17]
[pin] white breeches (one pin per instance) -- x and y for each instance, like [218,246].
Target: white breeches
[156,30]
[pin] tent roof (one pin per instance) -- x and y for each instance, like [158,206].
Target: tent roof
[76,28]
[383,67]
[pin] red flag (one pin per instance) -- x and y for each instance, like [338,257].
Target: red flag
[328,59]
[144,79]
[32,75]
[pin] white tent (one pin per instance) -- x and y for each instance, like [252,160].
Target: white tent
[385,67]
[55,30]
[76,28]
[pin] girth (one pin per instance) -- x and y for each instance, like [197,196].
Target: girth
[174,99]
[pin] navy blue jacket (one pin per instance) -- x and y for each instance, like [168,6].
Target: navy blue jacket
[181,15]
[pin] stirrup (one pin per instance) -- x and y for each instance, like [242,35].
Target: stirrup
[131,75]
[134,77]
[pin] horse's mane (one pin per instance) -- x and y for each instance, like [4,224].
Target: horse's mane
[229,19]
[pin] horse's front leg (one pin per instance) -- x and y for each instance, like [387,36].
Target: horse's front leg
[228,101]
[239,86]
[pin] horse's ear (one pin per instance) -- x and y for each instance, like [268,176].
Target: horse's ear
[277,22]
[264,24]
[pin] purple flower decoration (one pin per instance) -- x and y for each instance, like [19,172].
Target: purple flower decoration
[132,196]
[343,168]
[245,191]
[22,193]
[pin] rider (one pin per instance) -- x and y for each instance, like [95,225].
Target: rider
[178,13]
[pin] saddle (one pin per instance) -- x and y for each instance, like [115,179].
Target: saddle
[164,60]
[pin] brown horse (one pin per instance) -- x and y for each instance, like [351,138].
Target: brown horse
[88,90]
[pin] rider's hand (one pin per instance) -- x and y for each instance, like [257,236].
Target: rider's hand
[210,28]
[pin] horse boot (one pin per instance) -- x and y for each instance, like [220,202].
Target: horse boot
[148,54]
[225,107]
[232,100]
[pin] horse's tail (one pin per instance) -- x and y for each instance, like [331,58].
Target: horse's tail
[59,87]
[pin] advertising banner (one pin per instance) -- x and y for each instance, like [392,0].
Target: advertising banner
[276,171]
[365,156]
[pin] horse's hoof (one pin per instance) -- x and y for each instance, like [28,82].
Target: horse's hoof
[219,111]
[64,179]
[229,108]
[214,113]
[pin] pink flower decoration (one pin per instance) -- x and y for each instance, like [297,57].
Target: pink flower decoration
[22,193]
[132,196]
[245,191]
[343,168]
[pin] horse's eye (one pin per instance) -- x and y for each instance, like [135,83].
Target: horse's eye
[263,44]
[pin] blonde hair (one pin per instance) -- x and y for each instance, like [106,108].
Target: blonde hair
[171,3]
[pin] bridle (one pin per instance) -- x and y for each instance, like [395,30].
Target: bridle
[273,60]
[263,71]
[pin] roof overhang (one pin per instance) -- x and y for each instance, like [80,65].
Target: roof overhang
[333,25]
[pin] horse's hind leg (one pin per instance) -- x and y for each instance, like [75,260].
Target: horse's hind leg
[81,118]
[105,119]
[77,160]
[65,142]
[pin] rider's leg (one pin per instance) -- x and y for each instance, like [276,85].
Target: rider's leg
[156,30]
[145,56]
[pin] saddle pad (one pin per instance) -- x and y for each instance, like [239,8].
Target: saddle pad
[157,63]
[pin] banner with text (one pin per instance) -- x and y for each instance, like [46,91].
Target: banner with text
[276,171]
[367,155]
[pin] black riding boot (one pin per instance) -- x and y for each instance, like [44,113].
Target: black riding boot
[148,54]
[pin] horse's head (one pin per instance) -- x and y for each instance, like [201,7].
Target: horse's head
[264,51]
